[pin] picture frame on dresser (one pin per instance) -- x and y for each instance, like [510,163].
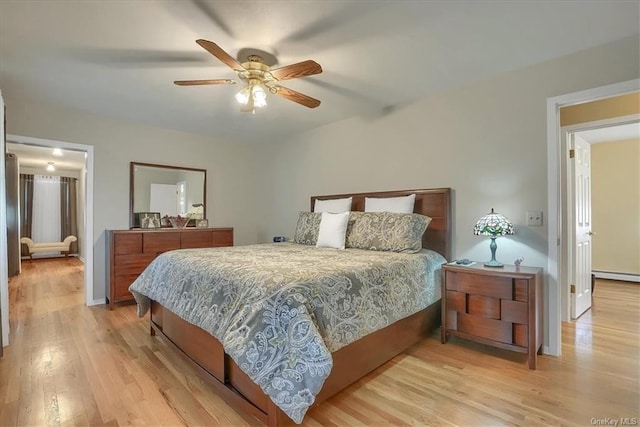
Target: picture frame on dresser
[148,220]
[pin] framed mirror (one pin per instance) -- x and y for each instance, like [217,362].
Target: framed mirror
[167,190]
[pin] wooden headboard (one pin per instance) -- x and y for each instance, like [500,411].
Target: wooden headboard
[432,202]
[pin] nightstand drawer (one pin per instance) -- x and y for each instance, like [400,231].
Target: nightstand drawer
[490,329]
[488,307]
[491,286]
[514,311]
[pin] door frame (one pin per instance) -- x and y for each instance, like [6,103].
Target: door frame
[88,217]
[556,245]
[4,269]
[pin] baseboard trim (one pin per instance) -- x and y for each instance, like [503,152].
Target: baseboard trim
[98,301]
[546,350]
[617,276]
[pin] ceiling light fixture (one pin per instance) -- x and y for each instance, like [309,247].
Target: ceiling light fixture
[50,167]
[252,96]
[258,77]
[243,96]
[57,152]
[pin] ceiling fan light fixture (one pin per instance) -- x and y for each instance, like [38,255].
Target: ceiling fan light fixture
[258,77]
[255,92]
[259,95]
[243,96]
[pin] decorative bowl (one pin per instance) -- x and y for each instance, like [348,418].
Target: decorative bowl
[178,221]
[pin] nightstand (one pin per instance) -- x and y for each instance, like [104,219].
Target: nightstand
[500,307]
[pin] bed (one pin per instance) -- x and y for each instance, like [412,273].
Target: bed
[324,352]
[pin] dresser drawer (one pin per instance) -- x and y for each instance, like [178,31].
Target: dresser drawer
[127,243]
[222,238]
[157,243]
[122,284]
[496,287]
[131,264]
[196,239]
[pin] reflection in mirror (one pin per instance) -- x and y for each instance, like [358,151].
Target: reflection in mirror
[169,190]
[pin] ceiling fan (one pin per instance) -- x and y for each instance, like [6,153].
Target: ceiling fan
[259,79]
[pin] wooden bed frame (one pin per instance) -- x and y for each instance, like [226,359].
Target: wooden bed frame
[350,363]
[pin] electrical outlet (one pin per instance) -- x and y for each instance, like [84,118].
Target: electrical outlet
[534,218]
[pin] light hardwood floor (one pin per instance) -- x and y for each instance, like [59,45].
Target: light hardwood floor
[75,365]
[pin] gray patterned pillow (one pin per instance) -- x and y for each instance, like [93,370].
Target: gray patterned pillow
[386,231]
[308,228]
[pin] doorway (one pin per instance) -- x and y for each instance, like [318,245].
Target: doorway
[86,224]
[556,192]
[608,142]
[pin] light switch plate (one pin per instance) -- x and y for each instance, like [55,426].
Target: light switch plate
[534,218]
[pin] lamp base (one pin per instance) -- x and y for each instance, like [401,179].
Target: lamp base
[493,263]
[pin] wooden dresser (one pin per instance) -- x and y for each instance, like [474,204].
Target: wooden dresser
[131,251]
[501,307]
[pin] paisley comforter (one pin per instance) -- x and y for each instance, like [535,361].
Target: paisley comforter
[281,309]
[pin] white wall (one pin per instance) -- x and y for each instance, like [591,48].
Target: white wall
[487,141]
[231,180]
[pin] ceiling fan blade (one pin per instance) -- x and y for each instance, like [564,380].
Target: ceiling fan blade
[300,69]
[223,56]
[204,82]
[298,97]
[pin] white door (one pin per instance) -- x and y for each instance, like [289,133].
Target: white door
[162,198]
[581,226]
[181,195]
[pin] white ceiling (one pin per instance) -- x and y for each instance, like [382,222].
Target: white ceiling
[38,157]
[612,133]
[119,58]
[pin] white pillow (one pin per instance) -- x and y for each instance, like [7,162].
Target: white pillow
[333,229]
[333,205]
[390,204]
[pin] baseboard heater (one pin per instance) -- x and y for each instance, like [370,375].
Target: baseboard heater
[627,277]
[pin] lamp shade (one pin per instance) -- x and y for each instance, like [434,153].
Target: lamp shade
[493,224]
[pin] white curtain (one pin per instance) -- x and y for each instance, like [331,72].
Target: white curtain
[46,209]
